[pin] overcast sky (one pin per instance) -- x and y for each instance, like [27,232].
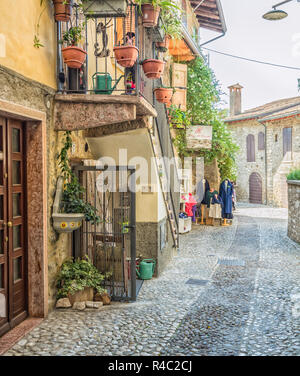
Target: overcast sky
[249,35]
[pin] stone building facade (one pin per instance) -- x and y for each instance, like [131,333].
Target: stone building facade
[269,140]
[35,103]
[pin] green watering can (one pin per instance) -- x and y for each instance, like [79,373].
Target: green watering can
[102,83]
[146,267]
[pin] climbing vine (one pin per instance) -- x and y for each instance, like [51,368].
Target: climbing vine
[203,96]
[72,196]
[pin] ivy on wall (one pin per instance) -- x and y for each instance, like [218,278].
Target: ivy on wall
[203,95]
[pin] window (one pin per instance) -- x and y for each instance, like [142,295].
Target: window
[287,140]
[250,148]
[261,141]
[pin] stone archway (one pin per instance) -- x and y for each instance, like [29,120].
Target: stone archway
[255,188]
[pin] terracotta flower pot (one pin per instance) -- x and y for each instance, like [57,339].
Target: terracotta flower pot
[62,12]
[73,56]
[126,56]
[165,44]
[153,68]
[163,95]
[150,15]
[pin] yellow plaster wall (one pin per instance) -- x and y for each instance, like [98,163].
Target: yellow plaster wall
[18,19]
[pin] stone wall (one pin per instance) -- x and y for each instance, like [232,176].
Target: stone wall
[294,210]
[240,131]
[212,174]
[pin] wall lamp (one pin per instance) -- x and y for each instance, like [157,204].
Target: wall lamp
[277,14]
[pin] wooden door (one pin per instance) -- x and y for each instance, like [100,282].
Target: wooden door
[287,140]
[255,188]
[12,225]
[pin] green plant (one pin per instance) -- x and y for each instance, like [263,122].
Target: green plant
[72,201]
[73,36]
[76,276]
[171,23]
[178,118]
[36,39]
[203,98]
[163,4]
[294,175]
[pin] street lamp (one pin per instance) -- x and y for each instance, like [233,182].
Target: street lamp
[276,14]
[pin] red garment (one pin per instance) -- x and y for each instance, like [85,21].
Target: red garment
[189,205]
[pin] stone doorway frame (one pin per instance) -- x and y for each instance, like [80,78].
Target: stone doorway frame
[36,163]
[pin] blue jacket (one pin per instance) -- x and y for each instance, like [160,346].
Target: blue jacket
[226,196]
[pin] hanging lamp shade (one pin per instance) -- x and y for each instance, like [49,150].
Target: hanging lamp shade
[275,15]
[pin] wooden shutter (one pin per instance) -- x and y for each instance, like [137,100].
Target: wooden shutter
[250,148]
[261,141]
[179,82]
[287,140]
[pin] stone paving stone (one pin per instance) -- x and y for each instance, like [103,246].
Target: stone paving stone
[242,310]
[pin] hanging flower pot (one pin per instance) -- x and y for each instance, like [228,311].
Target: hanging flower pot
[150,15]
[153,68]
[126,56]
[164,46]
[73,56]
[163,94]
[62,10]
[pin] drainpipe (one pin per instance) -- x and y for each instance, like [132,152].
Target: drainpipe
[266,160]
[212,40]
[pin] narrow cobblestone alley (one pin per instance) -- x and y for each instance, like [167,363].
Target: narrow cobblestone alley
[246,300]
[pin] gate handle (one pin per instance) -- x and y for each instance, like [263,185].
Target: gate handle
[9,224]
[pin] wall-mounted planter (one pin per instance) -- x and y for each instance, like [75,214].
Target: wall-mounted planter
[153,68]
[64,222]
[163,94]
[73,56]
[62,10]
[126,56]
[150,15]
[104,8]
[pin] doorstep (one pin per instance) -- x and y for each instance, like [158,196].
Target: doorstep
[9,339]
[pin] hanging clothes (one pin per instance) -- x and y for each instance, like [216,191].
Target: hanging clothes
[205,188]
[216,206]
[189,205]
[209,196]
[226,192]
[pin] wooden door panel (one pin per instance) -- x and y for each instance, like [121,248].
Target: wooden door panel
[16,233]
[4,289]
[255,189]
[12,225]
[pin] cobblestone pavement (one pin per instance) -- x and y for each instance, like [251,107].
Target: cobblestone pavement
[250,304]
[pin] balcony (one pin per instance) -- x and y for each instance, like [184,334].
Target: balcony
[103,91]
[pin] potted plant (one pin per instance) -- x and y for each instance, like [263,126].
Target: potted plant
[127,54]
[78,279]
[73,55]
[171,25]
[153,68]
[62,10]
[163,94]
[150,10]
[69,209]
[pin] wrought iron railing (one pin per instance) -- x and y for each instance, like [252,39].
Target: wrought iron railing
[100,73]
